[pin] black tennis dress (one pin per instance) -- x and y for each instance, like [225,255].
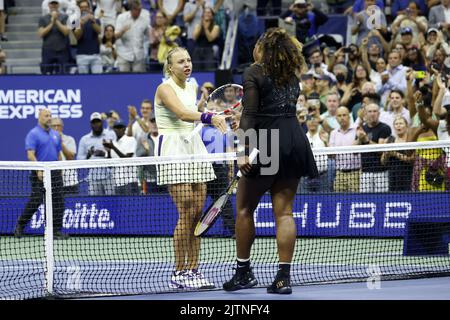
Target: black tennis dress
[267,106]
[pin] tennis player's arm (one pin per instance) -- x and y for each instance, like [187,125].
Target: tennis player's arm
[250,103]
[166,96]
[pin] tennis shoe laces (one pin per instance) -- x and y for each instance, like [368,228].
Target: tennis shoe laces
[196,280]
[242,279]
[178,279]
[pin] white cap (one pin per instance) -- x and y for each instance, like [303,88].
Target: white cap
[96,116]
[300,2]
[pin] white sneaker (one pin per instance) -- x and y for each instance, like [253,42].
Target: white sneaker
[178,279]
[196,280]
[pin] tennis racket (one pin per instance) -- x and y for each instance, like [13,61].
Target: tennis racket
[223,100]
[212,213]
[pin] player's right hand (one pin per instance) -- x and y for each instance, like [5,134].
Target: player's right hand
[219,121]
[244,164]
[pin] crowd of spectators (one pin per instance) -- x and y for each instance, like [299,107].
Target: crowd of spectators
[392,86]
[129,36]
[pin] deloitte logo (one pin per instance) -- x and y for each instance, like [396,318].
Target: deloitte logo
[84,217]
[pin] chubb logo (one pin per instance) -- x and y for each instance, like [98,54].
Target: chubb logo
[83,217]
[23,104]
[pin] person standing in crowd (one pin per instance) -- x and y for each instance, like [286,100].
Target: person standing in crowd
[348,166]
[88,46]
[412,19]
[43,144]
[2,22]
[108,51]
[55,36]
[393,78]
[206,36]
[399,163]
[362,22]
[147,148]
[395,108]
[439,17]
[107,10]
[329,117]
[317,64]
[271,91]
[318,138]
[68,152]
[374,177]
[91,147]
[175,111]
[2,61]
[192,16]
[307,19]
[140,129]
[427,161]
[172,9]
[132,27]
[125,177]
[157,31]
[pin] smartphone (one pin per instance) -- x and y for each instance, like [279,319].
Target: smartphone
[347,50]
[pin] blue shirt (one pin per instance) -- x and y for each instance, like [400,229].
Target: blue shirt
[359,5]
[46,144]
[88,43]
[399,5]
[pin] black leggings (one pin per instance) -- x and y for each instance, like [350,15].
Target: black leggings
[37,198]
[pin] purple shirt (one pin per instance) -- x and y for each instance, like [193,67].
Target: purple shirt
[339,138]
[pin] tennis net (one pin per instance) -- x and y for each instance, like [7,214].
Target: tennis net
[374,212]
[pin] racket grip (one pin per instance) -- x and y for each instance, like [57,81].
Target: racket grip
[196,130]
[251,157]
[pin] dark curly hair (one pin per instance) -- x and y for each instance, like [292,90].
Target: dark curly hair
[282,57]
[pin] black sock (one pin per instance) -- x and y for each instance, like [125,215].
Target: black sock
[284,268]
[243,266]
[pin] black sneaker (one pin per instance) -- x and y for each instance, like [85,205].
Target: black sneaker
[281,284]
[241,280]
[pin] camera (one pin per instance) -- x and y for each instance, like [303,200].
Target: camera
[435,65]
[347,50]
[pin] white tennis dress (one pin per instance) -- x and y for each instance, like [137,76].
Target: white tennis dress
[171,141]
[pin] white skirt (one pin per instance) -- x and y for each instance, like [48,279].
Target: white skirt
[2,5]
[173,144]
